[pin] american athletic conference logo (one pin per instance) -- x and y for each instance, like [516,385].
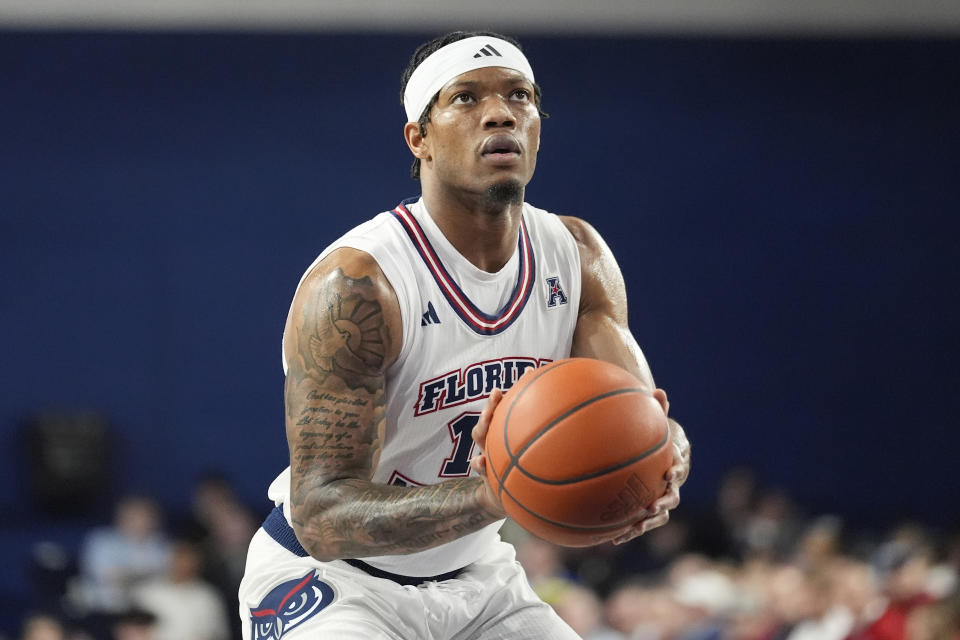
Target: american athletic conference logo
[289,605]
[556,293]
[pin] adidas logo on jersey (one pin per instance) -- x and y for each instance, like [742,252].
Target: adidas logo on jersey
[430,316]
[487,51]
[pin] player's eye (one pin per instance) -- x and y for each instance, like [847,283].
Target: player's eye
[520,94]
[462,98]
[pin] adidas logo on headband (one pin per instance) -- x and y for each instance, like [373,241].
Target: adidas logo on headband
[487,51]
[461,56]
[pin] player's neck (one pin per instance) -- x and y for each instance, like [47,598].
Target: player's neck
[484,232]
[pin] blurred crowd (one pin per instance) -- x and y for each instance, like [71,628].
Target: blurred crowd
[752,567]
[144,577]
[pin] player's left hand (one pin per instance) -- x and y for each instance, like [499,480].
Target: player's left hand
[479,462]
[659,512]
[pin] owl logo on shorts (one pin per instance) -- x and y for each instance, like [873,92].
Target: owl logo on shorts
[289,605]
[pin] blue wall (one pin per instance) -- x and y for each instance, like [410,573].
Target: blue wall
[785,213]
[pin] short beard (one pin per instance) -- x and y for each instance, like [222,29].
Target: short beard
[505,193]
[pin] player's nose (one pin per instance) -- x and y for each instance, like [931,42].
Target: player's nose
[497,113]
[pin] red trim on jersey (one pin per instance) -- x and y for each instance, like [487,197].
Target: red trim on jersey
[473,316]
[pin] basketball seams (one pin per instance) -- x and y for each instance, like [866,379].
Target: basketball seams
[506,421]
[515,459]
[600,528]
[596,474]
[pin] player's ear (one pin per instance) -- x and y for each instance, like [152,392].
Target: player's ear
[419,146]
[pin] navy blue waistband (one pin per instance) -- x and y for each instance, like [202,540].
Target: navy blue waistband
[279,529]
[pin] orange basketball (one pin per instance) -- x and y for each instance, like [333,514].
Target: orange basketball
[577,450]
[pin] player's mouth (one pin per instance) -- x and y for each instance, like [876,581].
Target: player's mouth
[501,148]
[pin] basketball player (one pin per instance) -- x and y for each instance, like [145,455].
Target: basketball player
[399,338]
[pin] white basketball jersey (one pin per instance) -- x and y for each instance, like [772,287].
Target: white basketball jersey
[465,331]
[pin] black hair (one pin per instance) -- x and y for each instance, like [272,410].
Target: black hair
[424,51]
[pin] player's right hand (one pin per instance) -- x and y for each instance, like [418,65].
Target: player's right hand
[479,462]
[659,512]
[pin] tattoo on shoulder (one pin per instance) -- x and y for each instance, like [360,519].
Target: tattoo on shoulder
[343,333]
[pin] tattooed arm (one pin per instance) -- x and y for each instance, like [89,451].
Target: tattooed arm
[343,332]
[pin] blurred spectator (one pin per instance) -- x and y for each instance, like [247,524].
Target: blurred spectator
[541,560]
[666,543]
[826,619]
[952,555]
[582,610]
[707,599]
[819,545]
[687,565]
[231,529]
[187,608]
[723,533]
[935,621]
[223,527]
[652,553]
[664,617]
[754,618]
[791,599]
[855,588]
[944,577]
[772,527]
[628,607]
[114,559]
[42,627]
[903,566]
[50,568]
[211,492]
[135,624]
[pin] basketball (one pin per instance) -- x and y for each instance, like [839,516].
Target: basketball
[577,450]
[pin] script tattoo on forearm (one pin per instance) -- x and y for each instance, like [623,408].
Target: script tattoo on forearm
[364,519]
[336,415]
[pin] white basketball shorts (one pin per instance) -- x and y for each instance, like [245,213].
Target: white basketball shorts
[288,596]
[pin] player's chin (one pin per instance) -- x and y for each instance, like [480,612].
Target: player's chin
[505,191]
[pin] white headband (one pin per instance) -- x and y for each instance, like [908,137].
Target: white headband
[458,57]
